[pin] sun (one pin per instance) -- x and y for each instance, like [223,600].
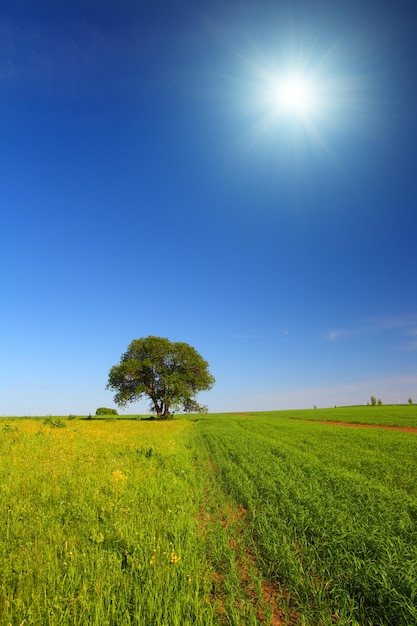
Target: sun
[293,98]
[294,95]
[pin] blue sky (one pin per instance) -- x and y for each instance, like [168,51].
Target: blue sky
[150,185]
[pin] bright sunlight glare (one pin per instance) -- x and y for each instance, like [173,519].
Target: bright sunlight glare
[295,95]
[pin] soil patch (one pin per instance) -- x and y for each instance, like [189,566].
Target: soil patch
[404,429]
[237,562]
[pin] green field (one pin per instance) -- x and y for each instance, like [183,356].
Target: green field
[256,518]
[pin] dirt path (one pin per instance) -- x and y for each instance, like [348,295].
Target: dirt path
[404,429]
[238,585]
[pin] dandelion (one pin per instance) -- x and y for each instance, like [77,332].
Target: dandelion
[118,476]
[154,555]
[174,558]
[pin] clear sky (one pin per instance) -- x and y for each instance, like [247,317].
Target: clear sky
[156,178]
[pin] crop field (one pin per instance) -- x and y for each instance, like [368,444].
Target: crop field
[241,519]
[386,415]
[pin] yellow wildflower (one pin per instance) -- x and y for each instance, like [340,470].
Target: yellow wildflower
[118,476]
[174,558]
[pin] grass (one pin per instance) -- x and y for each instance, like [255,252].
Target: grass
[113,523]
[385,415]
[333,513]
[219,519]
[100,526]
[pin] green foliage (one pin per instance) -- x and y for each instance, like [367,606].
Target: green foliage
[373,401]
[379,402]
[103,411]
[54,423]
[410,401]
[169,373]
[9,429]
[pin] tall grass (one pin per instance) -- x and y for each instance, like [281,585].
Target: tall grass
[100,526]
[118,522]
[385,415]
[221,519]
[333,512]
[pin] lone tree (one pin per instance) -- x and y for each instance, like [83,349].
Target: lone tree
[169,373]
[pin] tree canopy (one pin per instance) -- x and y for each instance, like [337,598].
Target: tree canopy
[105,411]
[169,373]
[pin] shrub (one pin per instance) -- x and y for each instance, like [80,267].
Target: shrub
[9,429]
[54,423]
[103,411]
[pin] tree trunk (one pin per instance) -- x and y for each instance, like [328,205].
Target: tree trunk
[161,408]
[157,406]
[165,413]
